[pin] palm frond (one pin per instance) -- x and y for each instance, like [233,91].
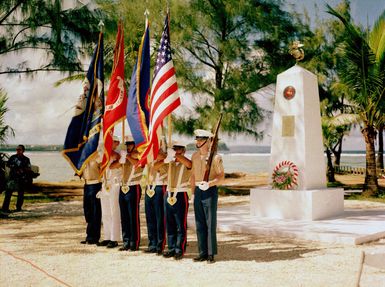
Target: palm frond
[71,78]
[344,120]
[359,71]
[377,40]
[5,130]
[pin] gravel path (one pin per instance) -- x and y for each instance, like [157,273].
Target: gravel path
[40,247]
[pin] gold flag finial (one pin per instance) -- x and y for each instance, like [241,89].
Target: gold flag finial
[296,51]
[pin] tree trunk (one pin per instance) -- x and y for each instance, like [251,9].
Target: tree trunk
[330,167]
[371,183]
[337,151]
[380,153]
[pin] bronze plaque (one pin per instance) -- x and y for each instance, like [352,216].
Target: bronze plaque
[288,124]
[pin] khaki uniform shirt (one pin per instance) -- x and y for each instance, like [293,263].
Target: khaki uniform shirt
[158,177]
[131,175]
[91,173]
[176,169]
[199,166]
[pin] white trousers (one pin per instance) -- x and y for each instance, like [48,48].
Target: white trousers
[111,213]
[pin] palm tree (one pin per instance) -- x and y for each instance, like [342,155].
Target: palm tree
[361,74]
[377,43]
[334,127]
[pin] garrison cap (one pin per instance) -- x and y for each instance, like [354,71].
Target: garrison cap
[116,139]
[178,144]
[128,140]
[202,134]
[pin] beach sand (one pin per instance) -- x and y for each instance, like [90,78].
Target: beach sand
[40,247]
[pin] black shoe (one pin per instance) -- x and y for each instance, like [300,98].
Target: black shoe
[159,252]
[133,248]
[125,247]
[210,259]
[169,254]
[18,210]
[89,242]
[150,250]
[112,244]
[104,243]
[200,258]
[178,256]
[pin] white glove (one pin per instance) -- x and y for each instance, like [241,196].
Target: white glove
[99,194]
[170,155]
[123,155]
[203,185]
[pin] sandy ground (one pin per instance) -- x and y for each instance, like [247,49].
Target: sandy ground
[40,247]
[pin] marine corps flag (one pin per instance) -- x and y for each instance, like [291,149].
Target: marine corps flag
[116,101]
[82,137]
[137,107]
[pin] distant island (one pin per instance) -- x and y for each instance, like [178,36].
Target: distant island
[11,148]
[222,147]
[8,148]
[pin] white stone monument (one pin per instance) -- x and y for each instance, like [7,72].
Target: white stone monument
[297,151]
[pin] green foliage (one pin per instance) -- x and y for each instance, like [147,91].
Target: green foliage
[225,50]
[5,130]
[131,13]
[361,72]
[41,25]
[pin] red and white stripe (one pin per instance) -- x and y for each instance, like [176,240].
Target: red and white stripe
[164,100]
[292,168]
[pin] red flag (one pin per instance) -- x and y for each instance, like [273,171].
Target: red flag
[116,101]
[164,95]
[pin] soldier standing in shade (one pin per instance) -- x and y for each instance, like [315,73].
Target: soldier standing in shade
[91,204]
[109,198]
[19,178]
[129,197]
[177,202]
[154,204]
[205,196]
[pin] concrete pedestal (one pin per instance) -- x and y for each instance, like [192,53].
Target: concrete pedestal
[297,204]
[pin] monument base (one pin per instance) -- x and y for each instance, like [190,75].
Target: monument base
[297,204]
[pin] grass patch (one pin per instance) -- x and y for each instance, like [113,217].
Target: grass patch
[380,199]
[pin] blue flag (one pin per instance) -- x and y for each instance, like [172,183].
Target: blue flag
[83,133]
[138,95]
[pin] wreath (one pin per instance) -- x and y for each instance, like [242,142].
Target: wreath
[285,175]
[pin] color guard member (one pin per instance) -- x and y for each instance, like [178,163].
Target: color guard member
[129,197]
[91,204]
[177,203]
[205,196]
[109,198]
[154,204]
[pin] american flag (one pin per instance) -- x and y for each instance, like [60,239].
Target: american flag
[164,95]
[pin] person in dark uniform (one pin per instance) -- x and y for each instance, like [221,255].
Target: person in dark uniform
[129,197]
[154,204]
[91,204]
[20,177]
[177,202]
[205,196]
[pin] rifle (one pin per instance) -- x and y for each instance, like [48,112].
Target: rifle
[213,150]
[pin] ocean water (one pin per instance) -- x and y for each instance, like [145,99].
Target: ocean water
[53,167]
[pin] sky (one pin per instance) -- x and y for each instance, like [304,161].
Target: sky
[40,113]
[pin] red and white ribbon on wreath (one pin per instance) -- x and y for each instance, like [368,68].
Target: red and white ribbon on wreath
[292,168]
